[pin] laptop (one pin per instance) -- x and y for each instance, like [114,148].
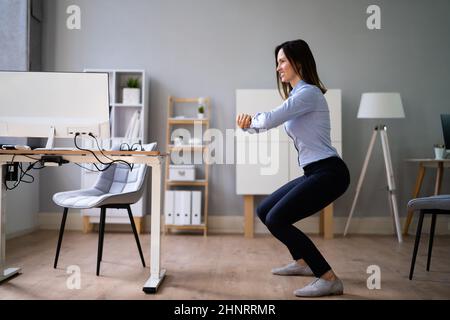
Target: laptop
[445,120]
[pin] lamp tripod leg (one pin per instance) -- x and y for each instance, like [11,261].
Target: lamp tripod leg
[391,181]
[361,179]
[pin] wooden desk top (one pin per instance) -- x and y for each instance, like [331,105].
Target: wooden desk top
[80,152]
[429,160]
[431,163]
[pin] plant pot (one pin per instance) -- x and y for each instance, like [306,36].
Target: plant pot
[200,115]
[439,153]
[131,96]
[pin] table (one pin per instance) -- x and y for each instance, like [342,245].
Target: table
[440,164]
[325,221]
[153,159]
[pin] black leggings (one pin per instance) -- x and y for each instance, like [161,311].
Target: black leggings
[323,182]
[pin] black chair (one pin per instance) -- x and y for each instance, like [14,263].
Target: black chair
[434,205]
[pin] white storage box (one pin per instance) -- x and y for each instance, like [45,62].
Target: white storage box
[185,172]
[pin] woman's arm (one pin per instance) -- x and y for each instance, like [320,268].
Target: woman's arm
[296,105]
[244,122]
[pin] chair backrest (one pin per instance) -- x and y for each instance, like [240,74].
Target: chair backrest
[118,178]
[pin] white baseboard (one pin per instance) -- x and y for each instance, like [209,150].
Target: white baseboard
[367,225]
[21,233]
[235,224]
[52,220]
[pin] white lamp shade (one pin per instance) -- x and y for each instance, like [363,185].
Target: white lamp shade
[380,105]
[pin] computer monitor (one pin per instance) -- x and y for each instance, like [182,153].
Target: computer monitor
[445,120]
[53,104]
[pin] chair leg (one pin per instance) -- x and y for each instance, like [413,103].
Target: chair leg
[430,243]
[101,234]
[416,244]
[136,236]
[61,233]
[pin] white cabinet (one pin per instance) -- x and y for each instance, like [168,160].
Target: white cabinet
[128,124]
[265,174]
[258,100]
[250,179]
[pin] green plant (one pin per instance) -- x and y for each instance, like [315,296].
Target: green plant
[201,109]
[133,83]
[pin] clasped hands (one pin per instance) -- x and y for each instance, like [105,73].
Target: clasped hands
[244,120]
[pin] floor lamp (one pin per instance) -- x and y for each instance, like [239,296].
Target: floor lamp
[380,105]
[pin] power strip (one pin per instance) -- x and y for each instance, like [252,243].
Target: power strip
[12,171]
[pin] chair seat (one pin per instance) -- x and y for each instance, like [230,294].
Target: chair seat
[91,198]
[439,202]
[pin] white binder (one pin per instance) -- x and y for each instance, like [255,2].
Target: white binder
[187,207]
[169,207]
[178,208]
[182,207]
[196,207]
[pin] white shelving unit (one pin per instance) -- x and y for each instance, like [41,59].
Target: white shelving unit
[121,115]
[187,105]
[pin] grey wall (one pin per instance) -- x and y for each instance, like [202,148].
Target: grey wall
[212,47]
[20,50]
[13,35]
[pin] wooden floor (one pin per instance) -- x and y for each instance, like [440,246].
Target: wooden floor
[218,267]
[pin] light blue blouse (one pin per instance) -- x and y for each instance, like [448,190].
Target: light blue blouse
[306,119]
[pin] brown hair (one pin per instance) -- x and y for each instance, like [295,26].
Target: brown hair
[301,58]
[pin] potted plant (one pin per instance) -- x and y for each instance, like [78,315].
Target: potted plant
[201,108]
[132,92]
[201,112]
[439,151]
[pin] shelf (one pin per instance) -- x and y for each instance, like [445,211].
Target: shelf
[187,120]
[187,183]
[187,226]
[172,147]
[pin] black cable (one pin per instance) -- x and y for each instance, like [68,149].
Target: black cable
[93,153]
[85,168]
[132,148]
[23,173]
[113,161]
[98,147]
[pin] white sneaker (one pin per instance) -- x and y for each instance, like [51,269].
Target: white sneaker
[293,269]
[321,287]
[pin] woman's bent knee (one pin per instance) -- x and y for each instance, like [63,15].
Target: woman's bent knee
[261,213]
[272,223]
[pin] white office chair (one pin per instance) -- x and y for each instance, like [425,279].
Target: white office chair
[118,188]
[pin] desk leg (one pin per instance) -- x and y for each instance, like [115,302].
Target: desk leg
[5,273]
[326,222]
[438,183]
[248,216]
[417,187]
[156,273]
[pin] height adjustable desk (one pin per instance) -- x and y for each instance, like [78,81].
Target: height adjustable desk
[153,159]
